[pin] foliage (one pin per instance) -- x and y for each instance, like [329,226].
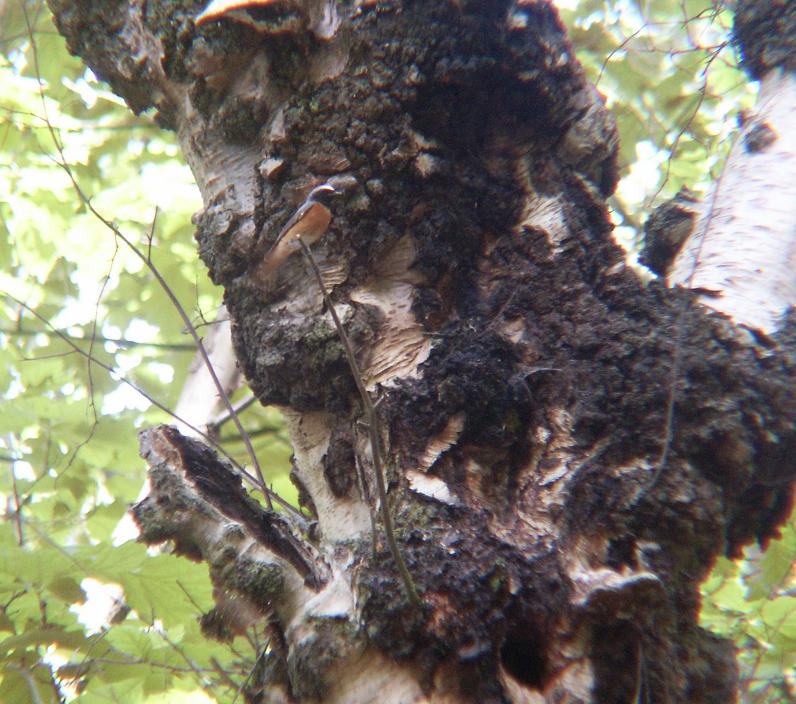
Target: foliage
[67,436]
[68,432]
[754,603]
[671,78]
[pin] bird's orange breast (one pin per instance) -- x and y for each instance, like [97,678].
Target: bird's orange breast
[312,225]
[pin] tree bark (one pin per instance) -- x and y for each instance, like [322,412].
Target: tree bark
[567,449]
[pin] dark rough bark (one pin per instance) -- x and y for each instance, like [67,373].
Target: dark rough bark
[517,359]
[766,34]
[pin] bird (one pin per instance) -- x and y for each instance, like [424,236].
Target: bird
[309,222]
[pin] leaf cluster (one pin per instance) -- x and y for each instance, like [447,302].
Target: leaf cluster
[670,75]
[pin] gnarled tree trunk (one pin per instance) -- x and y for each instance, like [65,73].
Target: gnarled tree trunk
[567,449]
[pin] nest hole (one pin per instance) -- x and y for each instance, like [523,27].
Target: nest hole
[524,660]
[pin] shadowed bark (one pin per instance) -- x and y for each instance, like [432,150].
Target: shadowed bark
[555,518]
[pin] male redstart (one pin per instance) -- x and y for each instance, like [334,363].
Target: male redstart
[310,222]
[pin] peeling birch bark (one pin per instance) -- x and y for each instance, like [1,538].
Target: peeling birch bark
[743,250]
[522,371]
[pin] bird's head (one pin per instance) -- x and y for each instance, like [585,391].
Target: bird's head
[324,193]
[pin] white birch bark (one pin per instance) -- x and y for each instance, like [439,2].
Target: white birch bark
[743,250]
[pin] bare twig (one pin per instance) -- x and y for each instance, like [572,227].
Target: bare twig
[671,402]
[366,495]
[215,424]
[195,668]
[35,697]
[17,506]
[118,341]
[245,682]
[373,430]
[147,260]
[205,357]
[93,335]
[112,370]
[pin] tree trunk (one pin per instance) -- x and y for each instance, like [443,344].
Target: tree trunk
[567,449]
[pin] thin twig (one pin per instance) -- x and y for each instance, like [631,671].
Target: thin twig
[194,666]
[679,340]
[17,506]
[215,424]
[118,341]
[117,374]
[373,430]
[366,495]
[222,393]
[147,260]
[35,697]
[245,682]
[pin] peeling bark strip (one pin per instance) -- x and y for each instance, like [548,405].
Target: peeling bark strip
[374,435]
[186,476]
[522,370]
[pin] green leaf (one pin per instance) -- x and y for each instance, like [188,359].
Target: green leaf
[66,589]
[21,685]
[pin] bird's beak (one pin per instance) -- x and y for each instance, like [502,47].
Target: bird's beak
[342,183]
